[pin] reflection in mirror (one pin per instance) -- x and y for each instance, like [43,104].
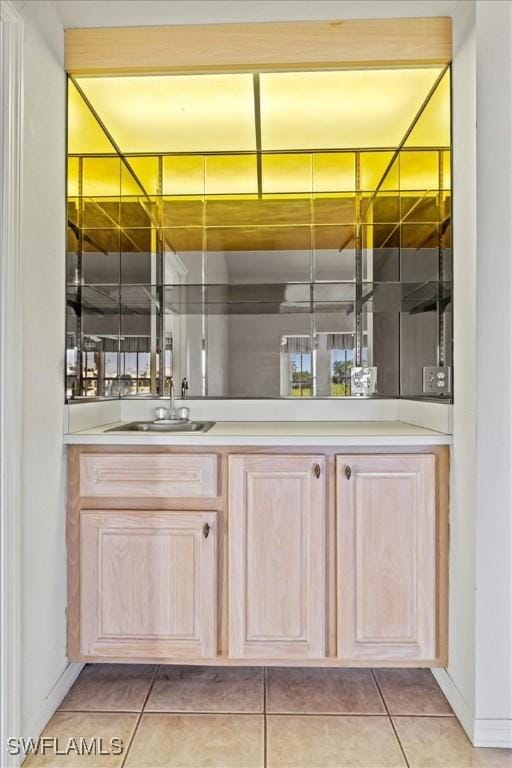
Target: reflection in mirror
[305,234]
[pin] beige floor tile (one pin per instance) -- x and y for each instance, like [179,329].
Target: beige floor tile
[207,689]
[322,691]
[440,742]
[332,741]
[412,692]
[193,741]
[67,729]
[110,688]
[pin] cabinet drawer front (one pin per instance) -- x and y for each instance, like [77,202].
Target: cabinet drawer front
[148,584]
[132,475]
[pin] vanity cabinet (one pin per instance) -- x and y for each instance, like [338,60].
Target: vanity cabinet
[386,546]
[148,584]
[277,557]
[258,556]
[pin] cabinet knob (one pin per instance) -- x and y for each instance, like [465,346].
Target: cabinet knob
[348,472]
[317,470]
[206,530]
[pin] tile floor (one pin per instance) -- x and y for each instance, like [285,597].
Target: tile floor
[189,717]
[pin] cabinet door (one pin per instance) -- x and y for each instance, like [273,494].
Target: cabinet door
[386,557]
[277,557]
[148,584]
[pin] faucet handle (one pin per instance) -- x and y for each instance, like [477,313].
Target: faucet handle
[184,413]
[160,412]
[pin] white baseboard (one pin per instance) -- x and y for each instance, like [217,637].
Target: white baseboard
[456,700]
[39,719]
[493,733]
[481,732]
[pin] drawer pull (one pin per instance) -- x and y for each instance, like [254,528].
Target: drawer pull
[348,472]
[317,471]
[206,530]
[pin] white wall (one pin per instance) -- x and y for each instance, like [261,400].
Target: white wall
[459,683]
[43,652]
[96,13]
[479,676]
[494,345]
[479,626]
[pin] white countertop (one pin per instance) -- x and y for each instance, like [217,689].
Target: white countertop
[291,433]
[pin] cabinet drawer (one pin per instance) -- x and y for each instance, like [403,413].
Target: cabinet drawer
[132,475]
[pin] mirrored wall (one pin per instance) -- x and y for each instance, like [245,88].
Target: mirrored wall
[259,236]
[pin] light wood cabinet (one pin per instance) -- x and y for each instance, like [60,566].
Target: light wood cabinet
[277,572]
[318,558]
[148,584]
[143,475]
[386,548]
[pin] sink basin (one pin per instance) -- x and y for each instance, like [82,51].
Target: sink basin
[152,426]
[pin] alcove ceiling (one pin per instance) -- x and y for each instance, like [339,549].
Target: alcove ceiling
[309,111]
[258,146]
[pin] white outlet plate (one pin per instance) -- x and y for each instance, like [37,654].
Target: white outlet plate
[437,380]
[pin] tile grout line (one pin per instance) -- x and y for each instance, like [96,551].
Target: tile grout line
[265,748]
[155,675]
[135,730]
[397,737]
[150,712]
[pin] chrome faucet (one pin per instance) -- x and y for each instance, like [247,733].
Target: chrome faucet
[172,409]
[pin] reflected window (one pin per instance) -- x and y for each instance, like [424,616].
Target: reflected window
[296,366]
[324,366]
[341,356]
[135,366]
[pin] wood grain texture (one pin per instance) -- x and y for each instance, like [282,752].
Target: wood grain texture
[269,450]
[220,504]
[73,553]
[223,564]
[330,544]
[227,661]
[442,457]
[386,557]
[277,574]
[140,475]
[148,583]
[282,45]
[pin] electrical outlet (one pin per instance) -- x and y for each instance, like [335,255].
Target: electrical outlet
[437,380]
